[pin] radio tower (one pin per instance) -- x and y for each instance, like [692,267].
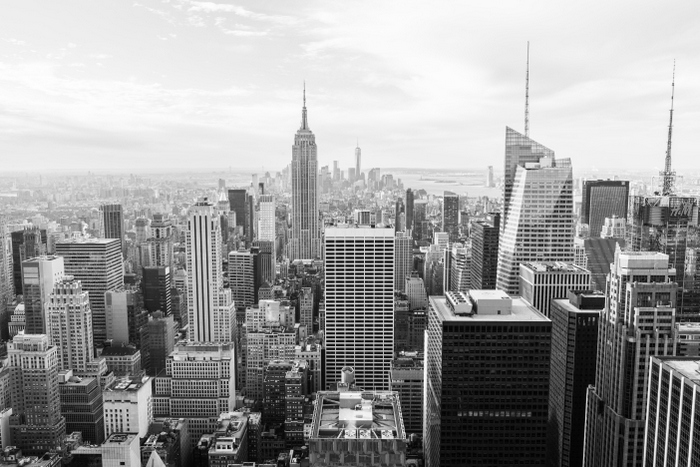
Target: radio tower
[669,176]
[527,93]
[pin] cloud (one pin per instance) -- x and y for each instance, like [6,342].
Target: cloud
[211,7]
[241,30]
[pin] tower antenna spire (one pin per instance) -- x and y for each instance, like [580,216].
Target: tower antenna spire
[527,92]
[669,176]
[304,122]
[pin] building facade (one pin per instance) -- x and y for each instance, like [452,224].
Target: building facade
[542,282]
[602,199]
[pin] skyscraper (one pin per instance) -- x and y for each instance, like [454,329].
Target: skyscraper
[638,322]
[7,288]
[237,200]
[39,275]
[26,243]
[484,263]
[358,162]
[541,282]
[539,221]
[112,218]
[457,268]
[520,150]
[242,273]
[572,370]
[70,324]
[305,240]
[359,265]
[601,199]
[157,289]
[403,260]
[37,426]
[211,313]
[160,243]
[487,380]
[97,264]
[450,215]
[409,209]
[266,218]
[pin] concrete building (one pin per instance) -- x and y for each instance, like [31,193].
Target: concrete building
[70,324]
[359,298]
[97,264]
[36,425]
[638,322]
[673,413]
[457,264]
[266,218]
[407,379]
[160,244]
[572,370]
[121,450]
[211,311]
[415,291]
[311,351]
[487,380]
[542,282]
[123,360]
[128,406]
[357,429]
[403,260]
[39,275]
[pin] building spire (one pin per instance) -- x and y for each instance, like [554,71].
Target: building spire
[304,122]
[669,176]
[527,93]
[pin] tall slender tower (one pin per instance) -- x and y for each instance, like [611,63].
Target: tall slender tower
[358,161]
[112,218]
[39,275]
[209,306]
[359,264]
[669,176]
[306,233]
[266,219]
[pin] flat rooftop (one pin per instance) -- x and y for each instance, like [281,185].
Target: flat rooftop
[357,415]
[552,266]
[337,232]
[120,439]
[130,385]
[689,367]
[520,311]
[90,240]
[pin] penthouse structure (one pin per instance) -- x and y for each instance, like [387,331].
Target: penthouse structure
[541,282]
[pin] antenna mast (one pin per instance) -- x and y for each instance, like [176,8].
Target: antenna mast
[527,93]
[669,176]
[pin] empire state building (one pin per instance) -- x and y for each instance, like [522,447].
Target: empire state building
[305,240]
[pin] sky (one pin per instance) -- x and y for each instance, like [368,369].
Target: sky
[103,85]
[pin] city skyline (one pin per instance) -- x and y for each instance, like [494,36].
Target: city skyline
[77,98]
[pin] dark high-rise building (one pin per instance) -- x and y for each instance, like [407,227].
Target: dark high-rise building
[601,199]
[450,215]
[572,370]
[305,241]
[266,261]
[97,264]
[27,243]
[244,276]
[638,322]
[39,277]
[160,332]
[237,200]
[274,390]
[484,261]
[487,381]
[409,209]
[407,377]
[82,406]
[112,218]
[157,288]
[37,425]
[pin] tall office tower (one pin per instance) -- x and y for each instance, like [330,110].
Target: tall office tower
[420,207]
[187,367]
[160,330]
[458,260]
[359,265]
[306,309]
[142,229]
[266,218]
[601,199]
[542,282]
[499,417]
[37,425]
[242,275]
[673,413]
[157,289]
[409,210]
[296,391]
[128,405]
[520,150]
[250,216]
[403,264]
[450,215]
[572,370]
[112,223]
[7,288]
[265,261]
[70,324]
[306,231]
[407,379]
[399,220]
[160,243]
[210,309]
[358,162]
[489,177]
[97,264]
[125,316]
[82,406]
[274,390]
[26,243]
[415,291]
[237,199]
[311,351]
[638,322]
[539,224]
[39,275]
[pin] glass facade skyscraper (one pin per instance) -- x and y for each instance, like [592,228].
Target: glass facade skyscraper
[601,199]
